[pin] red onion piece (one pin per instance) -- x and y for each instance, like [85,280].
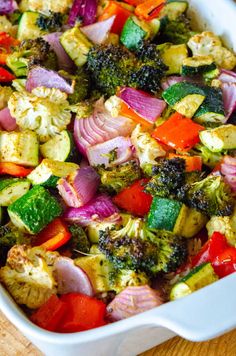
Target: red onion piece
[98,154]
[227,76]
[98,32]
[42,77]
[173,79]
[70,278]
[7,122]
[229,97]
[228,169]
[64,61]
[80,187]
[143,104]
[100,127]
[6,7]
[85,9]
[96,209]
[132,301]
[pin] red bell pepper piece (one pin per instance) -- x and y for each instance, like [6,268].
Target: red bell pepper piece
[84,313]
[7,42]
[178,132]
[121,13]
[149,9]
[135,2]
[53,235]
[225,263]
[14,170]
[50,314]
[6,76]
[134,199]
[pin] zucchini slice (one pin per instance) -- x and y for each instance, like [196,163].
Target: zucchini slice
[49,171]
[28,28]
[19,147]
[199,277]
[34,210]
[197,65]
[173,9]
[59,148]
[184,97]
[76,44]
[173,56]
[212,109]
[12,189]
[220,138]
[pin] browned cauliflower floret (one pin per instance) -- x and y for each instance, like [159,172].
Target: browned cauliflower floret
[45,5]
[28,275]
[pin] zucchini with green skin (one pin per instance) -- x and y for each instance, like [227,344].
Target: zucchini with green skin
[28,28]
[60,148]
[196,65]
[49,171]
[12,189]
[199,277]
[173,56]
[135,30]
[34,210]
[220,138]
[19,147]
[184,97]
[173,9]
[212,109]
[76,45]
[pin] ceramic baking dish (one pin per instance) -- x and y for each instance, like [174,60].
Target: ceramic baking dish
[203,315]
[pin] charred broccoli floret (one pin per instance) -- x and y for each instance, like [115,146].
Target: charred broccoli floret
[52,23]
[211,195]
[112,66]
[168,176]
[30,53]
[10,236]
[82,85]
[176,31]
[114,179]
[122,278]
[209,158]
[137,248]
[79,241]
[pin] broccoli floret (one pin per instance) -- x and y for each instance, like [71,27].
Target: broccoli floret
[82,85]
[168,176]
[122,278]
[211,195]
[176,31]
[112,66]
[52,23]
[30,53]
[137,248]
[114,179]
[79,241]
[10,236]
[209,158]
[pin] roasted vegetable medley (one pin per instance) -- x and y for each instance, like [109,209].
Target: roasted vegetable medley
[117,158]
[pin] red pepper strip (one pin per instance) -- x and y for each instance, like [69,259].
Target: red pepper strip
[122,14]
[53,236]
[3,58]
[7,41]
[14,170]
[135,2]
[133,199]
[6,76]
[149,9]
[178,132]
[225,263]
[128,112]
[84,313]
[50,314]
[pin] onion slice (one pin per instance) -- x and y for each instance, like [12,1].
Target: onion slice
[132,301]
[145,105]
[6,7]
[85,9]
[42,77]
[7,122]
[71,278]
[102,153]
[173,79]
[98,32]
[79,187]
[96,209]
[228,169]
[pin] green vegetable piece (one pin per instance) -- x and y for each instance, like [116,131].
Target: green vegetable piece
[133,32]
[12,189]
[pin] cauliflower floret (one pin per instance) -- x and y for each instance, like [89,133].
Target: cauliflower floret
[147,148]
[45,5]
[5,93]
[45,111]
[28,275]
[206,43]
[226,225]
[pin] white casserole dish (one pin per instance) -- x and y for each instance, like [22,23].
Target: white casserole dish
[205,314]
